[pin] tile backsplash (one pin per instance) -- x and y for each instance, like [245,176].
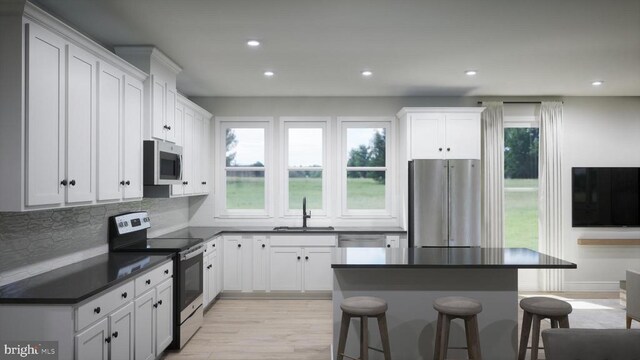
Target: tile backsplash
[32,242]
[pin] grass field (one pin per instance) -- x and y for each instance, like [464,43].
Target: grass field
[521,213]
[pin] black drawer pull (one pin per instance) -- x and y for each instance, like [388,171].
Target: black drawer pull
[214,245]
[107,340]
[298,257]
[97,310]
[166,271]
[124,295]
[239,245]
[306,258]
[159,302]
[263,245]
[148,282]
[448,149]
[63,182]
[72,183]
[155,305]
[388,245]
[115,334]
[439,149]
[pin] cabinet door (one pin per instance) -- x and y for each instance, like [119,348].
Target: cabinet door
[132,134]
[317,269]
[286,268]
[170,120]
[205,148]
[45,117]
[232,263]
[260,262]
[109,132]
[198,133]
[121,333]
[216,271]
[187,151]
[164,315]
[92,343]
[427,136]
[81,125]
[463,136]
[158,92]
[144,333]
[177,190]
[207,280]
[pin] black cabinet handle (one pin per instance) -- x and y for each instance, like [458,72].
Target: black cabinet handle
[122,182]
[306,258]
[448,149]
[166,271]
[214,245]
[209,267]
[107,340]
[186,183]
[298,257]
[115,334]
[168,127]
[159,302]
[155,305]
[128,182]
[388,245]
[124,295]
[439,149]
[204,183]
[72,183]
[263,245]
[148,281]
[239,245]
[97,310]
[63,182]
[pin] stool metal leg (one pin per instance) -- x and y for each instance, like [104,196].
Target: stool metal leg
[364,338]
[473,337]
[524,335]
[344,331]
[384,336]
[535,337]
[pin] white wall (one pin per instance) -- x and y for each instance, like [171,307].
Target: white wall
[598,132]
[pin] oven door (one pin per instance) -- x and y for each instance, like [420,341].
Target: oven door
[191,267]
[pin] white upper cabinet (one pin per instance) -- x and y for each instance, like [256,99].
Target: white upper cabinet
[45,117]
[160,88]
[66,133]
[442,133]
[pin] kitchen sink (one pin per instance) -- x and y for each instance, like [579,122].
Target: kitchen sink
[301,228]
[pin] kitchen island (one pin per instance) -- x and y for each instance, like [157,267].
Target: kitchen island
[411,279]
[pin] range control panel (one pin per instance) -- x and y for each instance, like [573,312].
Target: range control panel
[128,223]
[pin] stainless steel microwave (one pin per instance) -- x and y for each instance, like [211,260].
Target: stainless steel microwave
[162,163]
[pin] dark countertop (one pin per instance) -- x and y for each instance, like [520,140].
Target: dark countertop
[206,233]
[74,283]
[449,258]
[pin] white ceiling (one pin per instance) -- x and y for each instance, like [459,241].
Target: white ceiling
[414,48]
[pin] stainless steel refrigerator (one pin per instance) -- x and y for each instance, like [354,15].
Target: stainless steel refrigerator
[444,203]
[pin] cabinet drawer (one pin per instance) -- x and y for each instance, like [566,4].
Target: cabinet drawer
[153,277]
[303,240]
[104,304]
[211,246]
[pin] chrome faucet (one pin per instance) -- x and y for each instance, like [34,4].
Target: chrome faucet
[305,216]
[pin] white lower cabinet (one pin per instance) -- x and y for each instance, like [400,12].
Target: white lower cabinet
[260,263]
[212,277]
[92,344]
[154,321]
[121,333]
[237,263]
[286,269]
[317,269]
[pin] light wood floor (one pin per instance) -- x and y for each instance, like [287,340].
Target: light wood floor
[279,329]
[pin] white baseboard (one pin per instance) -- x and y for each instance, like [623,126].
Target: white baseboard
[591,286]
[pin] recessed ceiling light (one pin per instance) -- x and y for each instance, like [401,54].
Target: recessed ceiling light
[471,72]
[597,83]
[269,73]
[366,73]
[253,43]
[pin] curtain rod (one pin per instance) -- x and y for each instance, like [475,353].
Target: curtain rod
[519,102]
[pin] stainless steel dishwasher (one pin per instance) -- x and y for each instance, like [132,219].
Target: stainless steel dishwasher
[362,240]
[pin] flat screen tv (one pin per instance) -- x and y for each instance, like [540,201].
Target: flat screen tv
[605,197]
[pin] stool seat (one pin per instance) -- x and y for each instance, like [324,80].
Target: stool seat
[546,306]
[457,306]
[364,306]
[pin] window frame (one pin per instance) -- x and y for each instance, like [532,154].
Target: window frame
[222,125]
[388,124]
[291,122]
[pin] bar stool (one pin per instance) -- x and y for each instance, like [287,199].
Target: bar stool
[457,307]
[364,307]
[535,309]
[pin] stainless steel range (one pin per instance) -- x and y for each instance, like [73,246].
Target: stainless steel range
[128,233]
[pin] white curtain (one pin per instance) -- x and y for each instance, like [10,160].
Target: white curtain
[493,174]
[550,190]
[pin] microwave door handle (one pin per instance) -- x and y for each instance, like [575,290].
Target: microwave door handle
[181,167]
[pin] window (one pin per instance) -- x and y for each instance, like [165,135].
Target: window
[521,140]
[305,175]
[365,175]
[245,167]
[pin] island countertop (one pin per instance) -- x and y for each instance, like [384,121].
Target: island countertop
[450,258]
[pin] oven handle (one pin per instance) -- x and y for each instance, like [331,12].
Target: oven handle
[192,252]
